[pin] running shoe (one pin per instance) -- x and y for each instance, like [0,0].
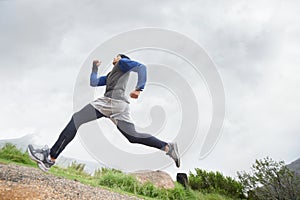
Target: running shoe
[173,153]
[41,156]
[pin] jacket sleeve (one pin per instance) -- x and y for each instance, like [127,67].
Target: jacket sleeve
[127,65]
[94,80]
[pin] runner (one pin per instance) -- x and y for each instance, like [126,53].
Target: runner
[114,105]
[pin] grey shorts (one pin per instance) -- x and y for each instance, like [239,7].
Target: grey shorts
[113,108]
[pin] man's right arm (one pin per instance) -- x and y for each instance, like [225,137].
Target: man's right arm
[94,80]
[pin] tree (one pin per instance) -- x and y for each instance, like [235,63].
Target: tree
[270,180]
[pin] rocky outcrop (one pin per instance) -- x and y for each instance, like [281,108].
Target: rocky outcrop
[158,178]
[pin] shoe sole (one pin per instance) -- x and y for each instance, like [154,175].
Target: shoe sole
[39,163]
[42,167]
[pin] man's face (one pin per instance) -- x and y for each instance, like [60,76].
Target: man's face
[116,59]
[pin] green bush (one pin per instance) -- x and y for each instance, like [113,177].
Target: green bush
[99,172]
[117,180]
[11,153]
[149,190]
[215,182]
[178,192]
[77,169]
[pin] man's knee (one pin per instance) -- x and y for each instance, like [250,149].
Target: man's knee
[77,119]
[136,138]
[130,136]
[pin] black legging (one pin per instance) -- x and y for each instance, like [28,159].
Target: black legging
[89,113]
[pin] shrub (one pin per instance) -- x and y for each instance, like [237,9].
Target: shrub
[119,180]
[116,179]
[148,189]
[11,153]
[215,182]
[178,192]
[77,169]
[99,172]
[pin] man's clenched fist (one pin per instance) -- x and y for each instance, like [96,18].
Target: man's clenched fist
[96,63]
[135,94]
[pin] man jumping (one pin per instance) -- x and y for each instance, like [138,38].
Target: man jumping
[113,105]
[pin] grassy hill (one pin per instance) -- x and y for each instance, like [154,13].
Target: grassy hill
[113,179]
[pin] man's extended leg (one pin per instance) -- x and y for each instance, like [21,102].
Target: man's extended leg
[86,114]
[128,130]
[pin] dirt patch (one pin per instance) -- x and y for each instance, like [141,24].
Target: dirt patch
[10,190]
[18,182]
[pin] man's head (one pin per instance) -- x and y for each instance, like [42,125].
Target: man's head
[119,57]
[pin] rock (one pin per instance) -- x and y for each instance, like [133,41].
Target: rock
[182,178]
[158,178]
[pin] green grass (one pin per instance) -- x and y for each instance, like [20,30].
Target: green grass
[111,179]
[10,154]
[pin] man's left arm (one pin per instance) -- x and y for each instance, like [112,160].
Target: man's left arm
[94,80]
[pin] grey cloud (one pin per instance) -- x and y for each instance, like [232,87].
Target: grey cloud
[36,30]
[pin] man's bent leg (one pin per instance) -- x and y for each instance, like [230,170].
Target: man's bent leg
[86,114]
[128,130]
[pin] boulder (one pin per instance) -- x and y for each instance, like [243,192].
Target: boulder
[159,178]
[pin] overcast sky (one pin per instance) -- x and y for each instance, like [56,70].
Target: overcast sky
[254,44]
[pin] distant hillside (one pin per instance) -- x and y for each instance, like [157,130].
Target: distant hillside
[22,143]
[90,166]
[295,166]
